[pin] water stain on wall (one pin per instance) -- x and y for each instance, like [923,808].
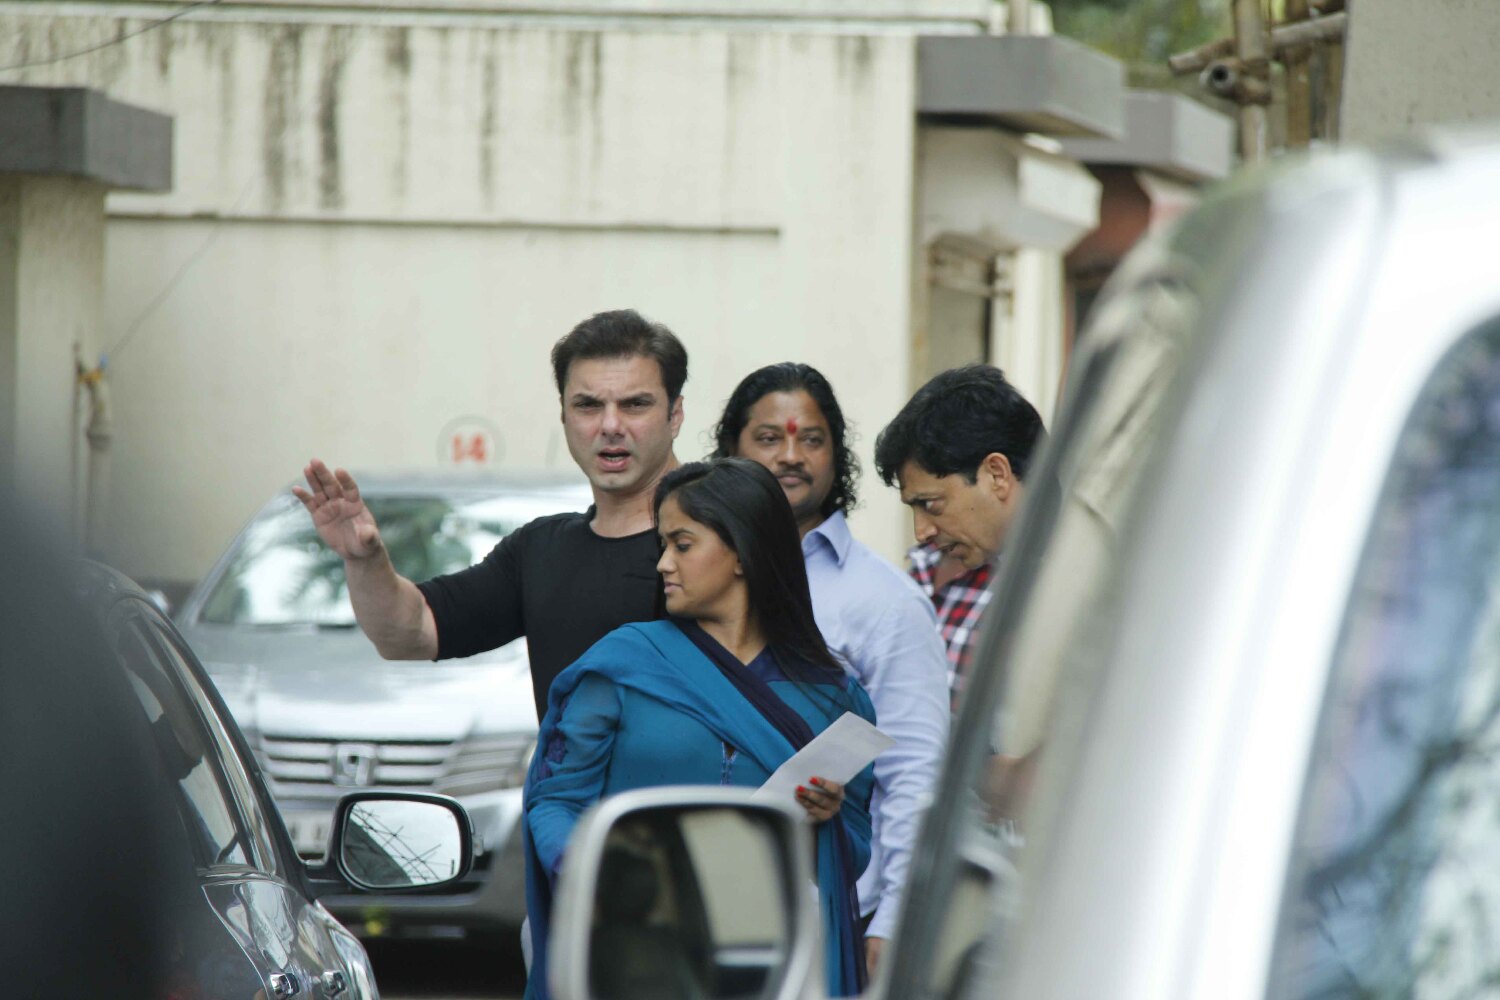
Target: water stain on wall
[21,53]
[112,60]
[582,105]
[335,55]
[165,39]
[218,48]
[856,57]
[489,97]
[283,86]
[398,63]
[740,58]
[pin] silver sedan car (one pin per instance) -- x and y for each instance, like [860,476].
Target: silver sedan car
[326,715]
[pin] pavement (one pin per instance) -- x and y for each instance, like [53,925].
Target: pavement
[446,970]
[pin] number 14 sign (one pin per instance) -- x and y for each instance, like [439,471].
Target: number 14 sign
[469,441]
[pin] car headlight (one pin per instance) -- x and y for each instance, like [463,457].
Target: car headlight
[488,764]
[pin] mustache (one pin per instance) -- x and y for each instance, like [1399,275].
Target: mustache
[792,471]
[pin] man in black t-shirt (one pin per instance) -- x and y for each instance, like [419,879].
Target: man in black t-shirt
[562,581]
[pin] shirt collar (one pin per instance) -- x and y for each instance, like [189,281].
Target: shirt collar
[924,560]
[835,532]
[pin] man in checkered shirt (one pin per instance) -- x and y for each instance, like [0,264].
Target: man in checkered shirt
[959,451]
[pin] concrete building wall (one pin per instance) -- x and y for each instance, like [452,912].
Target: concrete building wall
[379,226]
[52,273]
[1411,64]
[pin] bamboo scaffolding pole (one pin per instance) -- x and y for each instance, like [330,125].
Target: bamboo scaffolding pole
[1251,86]
[1329,27]
[1297,60]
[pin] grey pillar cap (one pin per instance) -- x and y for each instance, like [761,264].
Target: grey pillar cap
[77,132]
[1025,83]
[1166,132]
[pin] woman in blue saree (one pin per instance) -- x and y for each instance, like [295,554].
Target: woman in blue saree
[722,693]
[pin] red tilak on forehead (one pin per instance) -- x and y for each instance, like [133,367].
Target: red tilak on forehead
[791,425]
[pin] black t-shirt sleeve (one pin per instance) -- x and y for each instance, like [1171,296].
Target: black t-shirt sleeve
[479,608]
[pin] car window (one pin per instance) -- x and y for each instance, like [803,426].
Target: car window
[1395,881]
[236,775]
[186,752]
[282,574]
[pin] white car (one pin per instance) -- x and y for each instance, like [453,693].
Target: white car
[326,715]
[1245,646]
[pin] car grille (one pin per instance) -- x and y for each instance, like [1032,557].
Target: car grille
[326,768]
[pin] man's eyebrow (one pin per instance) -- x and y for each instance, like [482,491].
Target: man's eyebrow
[645,396]
[583,397]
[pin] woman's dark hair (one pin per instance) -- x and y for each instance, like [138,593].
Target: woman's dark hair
[622,333]
[955,420]
[789,376]
[746,508]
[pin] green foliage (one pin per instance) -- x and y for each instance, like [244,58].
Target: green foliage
[1142,32]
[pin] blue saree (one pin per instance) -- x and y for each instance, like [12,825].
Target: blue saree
[648,706]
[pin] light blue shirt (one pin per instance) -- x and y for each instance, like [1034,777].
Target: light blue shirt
[884,631]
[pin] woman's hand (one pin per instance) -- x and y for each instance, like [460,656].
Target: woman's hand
[821,798]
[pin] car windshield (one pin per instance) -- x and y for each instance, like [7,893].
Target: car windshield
[281,574]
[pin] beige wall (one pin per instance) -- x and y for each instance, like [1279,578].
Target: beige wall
[379,226]
[1415,63]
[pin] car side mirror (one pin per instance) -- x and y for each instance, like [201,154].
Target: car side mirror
[392,841]
[697,893]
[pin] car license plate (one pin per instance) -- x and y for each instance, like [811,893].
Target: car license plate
[310,833]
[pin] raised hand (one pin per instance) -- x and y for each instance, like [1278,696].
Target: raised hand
[343,521]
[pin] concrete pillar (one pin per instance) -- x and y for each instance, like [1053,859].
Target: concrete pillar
[51,300]
[61,151]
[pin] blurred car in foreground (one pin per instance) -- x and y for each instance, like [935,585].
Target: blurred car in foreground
[1234,726]
[253,928]
[325,714]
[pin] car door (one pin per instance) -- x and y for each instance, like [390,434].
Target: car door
[247,871]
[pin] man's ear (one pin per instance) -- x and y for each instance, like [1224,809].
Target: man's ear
[1001,477]
[674,416]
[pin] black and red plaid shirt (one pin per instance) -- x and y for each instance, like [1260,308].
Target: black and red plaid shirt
[959,604]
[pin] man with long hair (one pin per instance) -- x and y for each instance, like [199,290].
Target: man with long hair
[786,418]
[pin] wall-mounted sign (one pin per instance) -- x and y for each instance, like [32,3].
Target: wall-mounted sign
[470,440]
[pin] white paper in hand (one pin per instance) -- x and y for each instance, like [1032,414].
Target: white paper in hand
[838,753]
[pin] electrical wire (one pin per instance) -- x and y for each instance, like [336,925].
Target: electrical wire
[182,270]
[152,26]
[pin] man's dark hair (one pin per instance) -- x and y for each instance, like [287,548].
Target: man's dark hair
[789,376]
[622,333]
[955,420]
[745,506]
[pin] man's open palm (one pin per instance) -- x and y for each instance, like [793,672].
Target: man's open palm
[343,521]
